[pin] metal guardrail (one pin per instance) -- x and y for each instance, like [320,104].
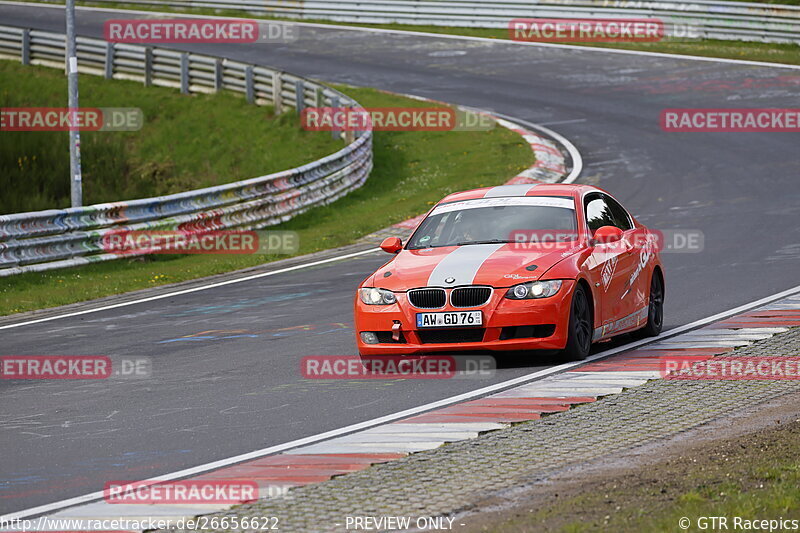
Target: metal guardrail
[57,238]
[709,19]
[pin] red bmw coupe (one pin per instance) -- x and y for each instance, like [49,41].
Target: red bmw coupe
[514,267]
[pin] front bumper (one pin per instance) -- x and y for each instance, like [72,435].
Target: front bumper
[500,316]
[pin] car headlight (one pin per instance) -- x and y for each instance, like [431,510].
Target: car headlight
[534,289]
[372,296]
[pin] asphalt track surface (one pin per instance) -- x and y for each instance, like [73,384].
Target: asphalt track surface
[236,386]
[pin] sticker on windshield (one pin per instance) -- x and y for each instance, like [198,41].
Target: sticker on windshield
[533,201]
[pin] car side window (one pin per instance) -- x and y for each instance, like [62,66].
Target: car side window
[621,218]
[598,213]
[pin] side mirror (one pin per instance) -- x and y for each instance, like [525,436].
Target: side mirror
[391,245]
[607,235]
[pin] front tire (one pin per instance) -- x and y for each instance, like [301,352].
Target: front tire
[579,339]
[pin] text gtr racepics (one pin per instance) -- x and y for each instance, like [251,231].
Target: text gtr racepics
[515,267]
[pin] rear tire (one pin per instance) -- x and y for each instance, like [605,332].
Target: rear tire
[579,339]
[655,309]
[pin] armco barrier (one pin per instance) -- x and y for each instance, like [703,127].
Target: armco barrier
[710,19]
[67,237]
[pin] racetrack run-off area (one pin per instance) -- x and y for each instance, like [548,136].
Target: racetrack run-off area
[226,377]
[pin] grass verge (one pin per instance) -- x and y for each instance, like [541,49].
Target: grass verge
[755,476]
[751,51]
[166,156]
[412,170]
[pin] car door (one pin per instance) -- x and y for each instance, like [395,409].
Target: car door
[610,264]
[632,296]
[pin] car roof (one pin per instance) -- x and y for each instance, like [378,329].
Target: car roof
[526,189]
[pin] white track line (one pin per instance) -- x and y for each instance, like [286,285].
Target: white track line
[194,289]
[423,34]
[406,413]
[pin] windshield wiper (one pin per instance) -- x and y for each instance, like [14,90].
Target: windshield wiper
[488,241]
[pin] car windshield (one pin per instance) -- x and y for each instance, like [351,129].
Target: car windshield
[498,220]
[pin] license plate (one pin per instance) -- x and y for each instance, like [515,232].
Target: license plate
[449,319]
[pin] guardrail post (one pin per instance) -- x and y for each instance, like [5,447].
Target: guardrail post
[334,105]
[319,98]
[299,96]
[148,66]
[109,70]
[185,73]
[26,47]
[218,75]
[277,92]
[249,89]
[349,133]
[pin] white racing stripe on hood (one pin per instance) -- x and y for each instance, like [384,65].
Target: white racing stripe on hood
[509,190]
[462,264]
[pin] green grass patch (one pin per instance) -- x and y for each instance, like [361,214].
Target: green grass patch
[186,142]
[751,51]
[412,171]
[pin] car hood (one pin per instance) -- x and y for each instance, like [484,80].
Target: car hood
[498,265]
